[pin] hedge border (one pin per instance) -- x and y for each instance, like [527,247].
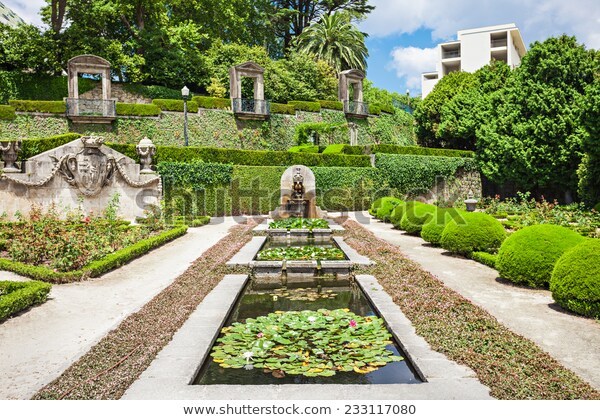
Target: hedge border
[282,109]
[335,105]
[209,102]
[139,110]
[7,112]
[51,107]
[306,106]
[393,149]
[175,105]
[95,268]
[25,295]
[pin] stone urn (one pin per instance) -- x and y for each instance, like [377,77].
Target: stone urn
[10,151]
[146,150]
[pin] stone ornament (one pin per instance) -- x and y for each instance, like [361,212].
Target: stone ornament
[90,169]
[146,150]
[10,151]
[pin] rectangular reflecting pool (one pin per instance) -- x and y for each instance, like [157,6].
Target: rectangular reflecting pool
[325,296]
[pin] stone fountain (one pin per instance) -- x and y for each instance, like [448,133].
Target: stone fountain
[298,194]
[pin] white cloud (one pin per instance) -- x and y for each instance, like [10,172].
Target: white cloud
[29,10]
[410,62]
[537,19]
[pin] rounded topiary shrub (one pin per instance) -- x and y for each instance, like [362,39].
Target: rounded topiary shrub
[432,230]
[374,206]
[416,214]
[575,281]
[397,213]
[387,206]
[528,255]
[473,232]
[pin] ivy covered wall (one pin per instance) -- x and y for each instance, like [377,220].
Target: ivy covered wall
[218,128]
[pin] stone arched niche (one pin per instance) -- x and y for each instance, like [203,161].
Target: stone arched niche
[248,107]
[353,106]
[90,110]
[298,194]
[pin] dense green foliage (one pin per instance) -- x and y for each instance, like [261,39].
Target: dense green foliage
[299,223]
[528,255]
[307,343]
[152,91]
[304,131]
[473,232]
[304,148]
[575,281]
[335,40]
[140,110]
[17,296]
[282,108]
[335,105]
[212,103]
[428,114]
[37,87]
[411,174]
[414,150]
[374,206]
[386,207]
[397,215]
[35,146]
[334,149]
[51,107]
[306,106]
[175,105]
[533,134]
[589,170]
[7,112]
[301,253]
[432,230]
[415,215]
[485,258]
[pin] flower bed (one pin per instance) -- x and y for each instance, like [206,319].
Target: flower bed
[299,223]
[294,253]
[308,343]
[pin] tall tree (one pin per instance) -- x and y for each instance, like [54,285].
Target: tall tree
[335,40]
[293,16]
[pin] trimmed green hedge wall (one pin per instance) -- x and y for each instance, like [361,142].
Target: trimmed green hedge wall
[17,296]
[336,105]
[245,157]
[393,149]
[305,106]
[212,103]
[37,87]
[575,281]
[305,148]
[7,112]
[412,174]
[50,107]
[175,105]
[152,92]
[140,110]
[282,109]
[35,146]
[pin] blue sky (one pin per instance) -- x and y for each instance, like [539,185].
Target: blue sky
[404,33]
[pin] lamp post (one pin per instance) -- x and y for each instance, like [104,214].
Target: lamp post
[185,92]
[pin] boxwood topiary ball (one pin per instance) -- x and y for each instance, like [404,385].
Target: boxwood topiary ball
[473,232]
[575,281]
[397,214]
[387,206]
[432,230]
[376,204]
[416,214]
[528,255]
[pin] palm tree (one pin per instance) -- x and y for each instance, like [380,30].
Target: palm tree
[335,40]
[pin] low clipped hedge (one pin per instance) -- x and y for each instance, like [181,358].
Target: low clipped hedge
[374,206]
[432,230]
[175,105]
[334,149]
[245,157]
[95,268]
[139,110]
[304,148]
[393,149]
[387,206]
[335,105]
[475,232]
[35,146]
[7,112]
[305,106]
[353,150]
[50,107]
[282,109]
[575,280]
[17,296]
[416,214]
[212,103]
[485,258]
[528,256]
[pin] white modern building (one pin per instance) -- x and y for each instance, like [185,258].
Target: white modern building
[8,17]
[474,49]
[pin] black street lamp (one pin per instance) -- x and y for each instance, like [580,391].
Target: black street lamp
[185,92]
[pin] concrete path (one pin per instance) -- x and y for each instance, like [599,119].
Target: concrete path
[38,345]
[573,341]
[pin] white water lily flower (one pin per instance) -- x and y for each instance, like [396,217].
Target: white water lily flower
[249,367]
[248,355]
[311,319]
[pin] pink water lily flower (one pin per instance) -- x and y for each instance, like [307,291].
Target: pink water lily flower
[352,323]
[260,335]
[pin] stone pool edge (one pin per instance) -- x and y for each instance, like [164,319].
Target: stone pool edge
[173,370]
